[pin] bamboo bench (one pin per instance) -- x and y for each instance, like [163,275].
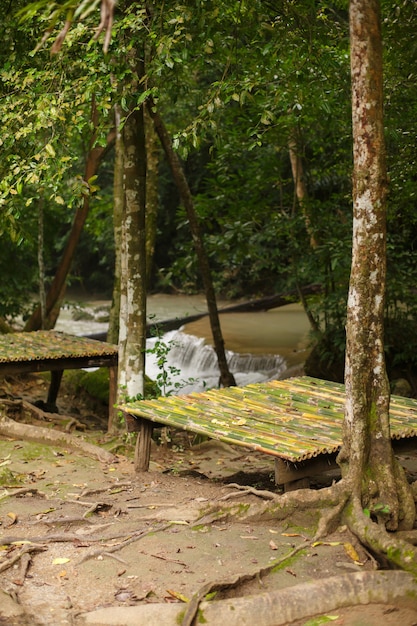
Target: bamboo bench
[298,421]
[53,351]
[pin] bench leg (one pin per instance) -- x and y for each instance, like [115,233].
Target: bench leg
[293,485]
[143,446]
[56,377]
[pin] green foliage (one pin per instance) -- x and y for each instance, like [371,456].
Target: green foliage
[166,382]
[45,107]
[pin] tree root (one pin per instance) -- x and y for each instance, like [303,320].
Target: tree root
[123,544]
[46,436]
[21,492]
[44,416]
[410,536]
[280,607]
[278,507]
[336,504]
[193,605]
[26,549]
[330,519]
[261,493]
[397,551]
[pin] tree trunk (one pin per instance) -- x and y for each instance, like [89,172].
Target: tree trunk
[152,160]
[56,291]
[118,209]
[226,377]
[41,262]
[367,460]
[300,187]
[132,340]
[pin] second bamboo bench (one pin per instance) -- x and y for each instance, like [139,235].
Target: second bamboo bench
[298,421]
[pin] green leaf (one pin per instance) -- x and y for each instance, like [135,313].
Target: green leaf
[50,150]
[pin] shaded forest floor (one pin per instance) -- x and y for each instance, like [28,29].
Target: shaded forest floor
[103,537]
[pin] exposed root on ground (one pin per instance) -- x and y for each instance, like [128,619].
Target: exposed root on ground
[45,416]
[261,493]
[21,492]
[280,607]
[16,556]
[233,583]
[46,436]
[410,536]
[135,537]
[339,506]
[278,507]
[336,505]
[393,547]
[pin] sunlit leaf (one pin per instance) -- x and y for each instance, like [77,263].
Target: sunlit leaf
[178,595]
[50,150]
[60,561]
[323,619]
[13,518]
[351,552]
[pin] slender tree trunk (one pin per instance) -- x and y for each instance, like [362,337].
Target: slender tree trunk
[300,187]
[56,291]
[301,196]
[118,209]
[367,459]
[41,263]
[132,336]
[152,201]
[226,377]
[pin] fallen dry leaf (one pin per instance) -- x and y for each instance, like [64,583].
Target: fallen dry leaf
[60,561]
[351,552]
[177,595]
[13,518]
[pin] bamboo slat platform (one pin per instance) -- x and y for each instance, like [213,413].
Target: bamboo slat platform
[298,421]
[52,351]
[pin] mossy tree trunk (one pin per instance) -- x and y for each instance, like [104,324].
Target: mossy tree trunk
[132,333]
[152,177]
[118,209]
[368,464]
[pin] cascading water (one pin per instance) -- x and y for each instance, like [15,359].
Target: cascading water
[191,364]
[264,343]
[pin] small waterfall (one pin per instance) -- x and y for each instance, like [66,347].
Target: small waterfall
[196,363]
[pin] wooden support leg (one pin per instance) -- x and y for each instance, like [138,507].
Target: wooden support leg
[112,423]
[56,377]
[295,475]
[143,446]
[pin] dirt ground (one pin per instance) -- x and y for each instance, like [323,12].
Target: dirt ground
[102,537]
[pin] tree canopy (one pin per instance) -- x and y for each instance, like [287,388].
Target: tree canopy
[235,84]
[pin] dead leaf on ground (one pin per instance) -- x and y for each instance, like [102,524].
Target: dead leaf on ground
[12,518]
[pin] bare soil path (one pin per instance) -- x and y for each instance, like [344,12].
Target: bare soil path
[105,542]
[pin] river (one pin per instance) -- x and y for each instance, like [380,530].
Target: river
[259,346]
